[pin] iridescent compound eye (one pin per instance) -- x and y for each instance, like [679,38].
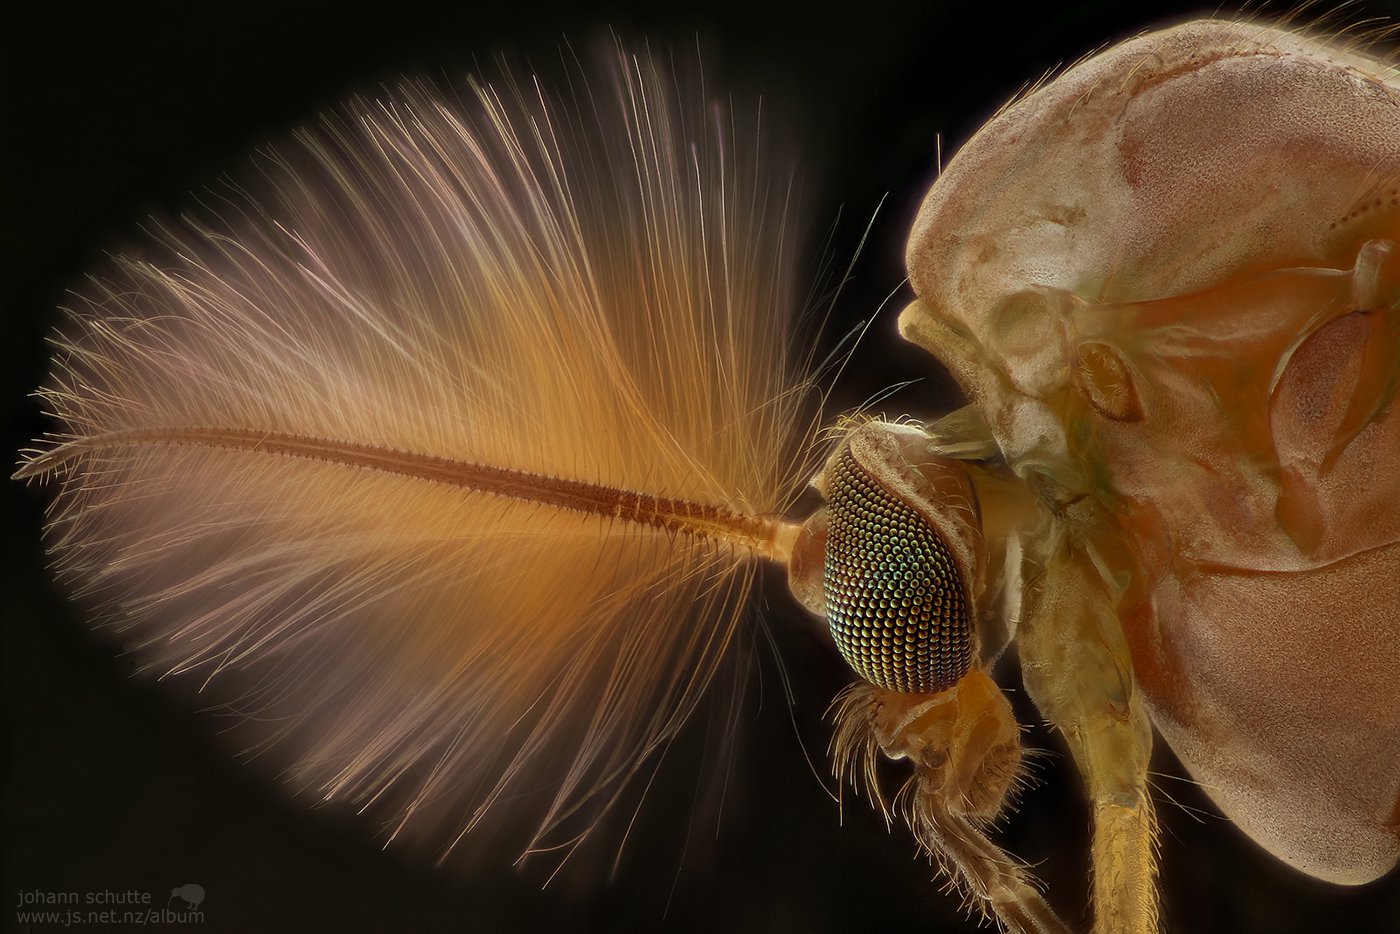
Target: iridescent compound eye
[895,598]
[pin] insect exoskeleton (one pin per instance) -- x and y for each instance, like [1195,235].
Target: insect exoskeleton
[899,560]
[1167,282]
[916,551]
[913,578]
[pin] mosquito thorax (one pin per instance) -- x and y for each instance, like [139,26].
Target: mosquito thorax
[891,561]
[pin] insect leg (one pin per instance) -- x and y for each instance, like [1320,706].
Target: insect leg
[965,748]
[1076,668]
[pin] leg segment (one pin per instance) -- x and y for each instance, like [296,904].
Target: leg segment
[1076,668]
[965,747]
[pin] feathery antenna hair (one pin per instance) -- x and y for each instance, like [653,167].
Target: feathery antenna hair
[381,458]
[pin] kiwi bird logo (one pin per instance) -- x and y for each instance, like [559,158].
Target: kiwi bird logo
[191,894]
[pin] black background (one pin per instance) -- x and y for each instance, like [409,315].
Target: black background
[114,112]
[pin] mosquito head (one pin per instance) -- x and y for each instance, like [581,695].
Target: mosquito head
[890,560]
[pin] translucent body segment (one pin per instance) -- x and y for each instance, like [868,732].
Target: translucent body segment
[1168,282]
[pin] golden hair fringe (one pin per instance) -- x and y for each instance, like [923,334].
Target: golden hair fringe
[594,290]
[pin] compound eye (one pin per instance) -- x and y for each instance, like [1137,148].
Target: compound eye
[895,595]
